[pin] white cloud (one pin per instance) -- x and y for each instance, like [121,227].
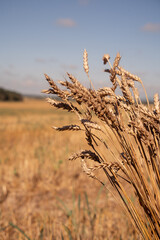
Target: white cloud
[29,83]
[83,2]
[151,27]
[40,60]
[43,60]
[66,22]
[9,73]
[69,66]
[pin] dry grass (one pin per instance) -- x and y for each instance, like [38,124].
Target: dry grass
[44,196]
[35,176]
[123,136]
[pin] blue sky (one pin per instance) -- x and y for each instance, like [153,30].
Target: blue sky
[49,36]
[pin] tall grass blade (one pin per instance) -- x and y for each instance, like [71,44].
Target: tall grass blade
[68,212]
[68,232]
[20,230]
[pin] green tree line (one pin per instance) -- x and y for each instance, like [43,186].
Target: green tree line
[7,95]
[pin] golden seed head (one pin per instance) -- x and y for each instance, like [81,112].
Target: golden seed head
[106,57]
[85,61]
[156,102]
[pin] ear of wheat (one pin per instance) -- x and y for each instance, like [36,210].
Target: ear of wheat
[123,138]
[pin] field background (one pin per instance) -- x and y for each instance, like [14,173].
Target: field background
[42,194]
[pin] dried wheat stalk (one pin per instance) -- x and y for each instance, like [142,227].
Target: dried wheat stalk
[85,61]
[127,144]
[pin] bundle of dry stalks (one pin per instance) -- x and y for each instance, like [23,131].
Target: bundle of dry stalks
[123,136]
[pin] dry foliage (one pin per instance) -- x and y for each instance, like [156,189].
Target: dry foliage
[35,179]
[123,136]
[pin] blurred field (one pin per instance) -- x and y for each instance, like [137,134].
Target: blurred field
[42,194]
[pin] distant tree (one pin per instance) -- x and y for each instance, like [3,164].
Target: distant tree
[7,95]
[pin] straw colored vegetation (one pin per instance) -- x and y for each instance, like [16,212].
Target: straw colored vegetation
[42,194]
[114,138]
[123,137]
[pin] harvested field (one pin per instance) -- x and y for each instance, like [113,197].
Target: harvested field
[42,194]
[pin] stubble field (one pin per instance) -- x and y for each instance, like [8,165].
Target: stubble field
[42,194]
